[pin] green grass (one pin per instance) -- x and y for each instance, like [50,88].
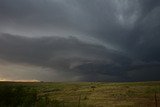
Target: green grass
[80,94]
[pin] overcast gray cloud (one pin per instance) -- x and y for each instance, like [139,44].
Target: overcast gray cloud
[82,40]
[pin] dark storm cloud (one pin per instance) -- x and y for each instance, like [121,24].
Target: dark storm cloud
[63,54]
[111,40]
[41,50]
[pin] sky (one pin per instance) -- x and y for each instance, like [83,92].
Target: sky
[80,40]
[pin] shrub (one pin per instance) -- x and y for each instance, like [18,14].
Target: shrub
[14,96]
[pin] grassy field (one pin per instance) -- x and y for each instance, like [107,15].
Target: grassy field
[81,94]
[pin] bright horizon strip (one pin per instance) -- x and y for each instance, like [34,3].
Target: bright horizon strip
[8,80]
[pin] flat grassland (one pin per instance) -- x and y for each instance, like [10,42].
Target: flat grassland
[80,94]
